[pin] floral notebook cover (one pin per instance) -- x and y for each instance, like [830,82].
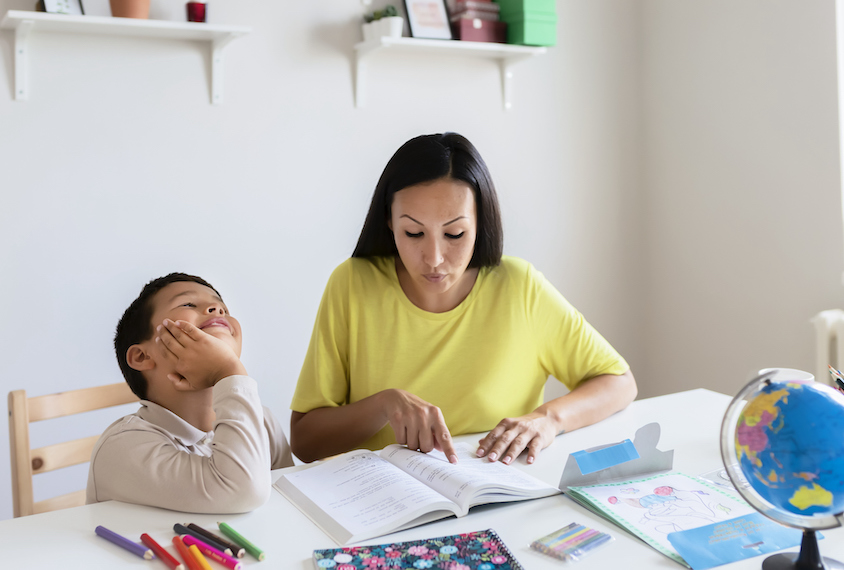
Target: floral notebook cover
[479,550]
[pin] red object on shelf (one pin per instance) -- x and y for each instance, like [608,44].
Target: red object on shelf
[472,14]
[485,5]
[477,30]
[196,11]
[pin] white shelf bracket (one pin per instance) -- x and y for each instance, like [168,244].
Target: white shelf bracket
[506,56]
[217,48]
[361,55]
[506,83]
[360,88]
[22,31]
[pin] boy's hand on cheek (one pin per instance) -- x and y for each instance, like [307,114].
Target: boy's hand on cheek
[200,358]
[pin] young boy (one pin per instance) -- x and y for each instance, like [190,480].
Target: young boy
[201,441]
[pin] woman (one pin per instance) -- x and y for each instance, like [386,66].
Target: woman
[427,330]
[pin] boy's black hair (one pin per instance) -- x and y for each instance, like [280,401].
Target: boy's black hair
[424,159]
[135,326]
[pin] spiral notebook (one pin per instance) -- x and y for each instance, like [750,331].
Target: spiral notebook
[473,550]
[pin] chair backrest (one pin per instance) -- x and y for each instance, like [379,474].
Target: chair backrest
[27,462]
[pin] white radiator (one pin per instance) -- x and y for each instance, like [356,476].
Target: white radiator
[829,342]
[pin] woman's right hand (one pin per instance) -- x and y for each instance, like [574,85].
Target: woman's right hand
[416,423]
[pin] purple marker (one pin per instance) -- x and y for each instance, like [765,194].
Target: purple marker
[122,542]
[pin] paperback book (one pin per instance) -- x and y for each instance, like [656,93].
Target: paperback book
[364,494]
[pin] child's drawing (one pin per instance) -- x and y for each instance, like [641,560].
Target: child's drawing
[669,509]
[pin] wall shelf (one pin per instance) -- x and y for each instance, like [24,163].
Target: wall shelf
[506,55]
[25,23]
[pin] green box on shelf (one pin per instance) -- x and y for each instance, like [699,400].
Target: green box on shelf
[532,31]
[511,6]
[530,22]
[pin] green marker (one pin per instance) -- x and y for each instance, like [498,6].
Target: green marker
[235,536]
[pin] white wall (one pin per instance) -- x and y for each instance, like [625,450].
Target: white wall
[671,166]
[740,187]
[117,171]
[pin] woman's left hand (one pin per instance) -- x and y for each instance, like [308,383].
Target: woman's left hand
[591,401]
[534,432]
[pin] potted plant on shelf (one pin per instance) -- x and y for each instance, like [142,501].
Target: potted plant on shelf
[380,23]
[130,8]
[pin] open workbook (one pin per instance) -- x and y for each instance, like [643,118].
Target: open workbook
[657,507]
[364,494]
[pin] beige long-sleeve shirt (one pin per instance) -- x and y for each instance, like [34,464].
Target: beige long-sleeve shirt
[154,457]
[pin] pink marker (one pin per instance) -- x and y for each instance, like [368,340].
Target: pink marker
[212,552]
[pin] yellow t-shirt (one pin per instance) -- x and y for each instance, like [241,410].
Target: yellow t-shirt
[486,359]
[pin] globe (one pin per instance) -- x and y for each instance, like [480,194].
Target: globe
[786,438]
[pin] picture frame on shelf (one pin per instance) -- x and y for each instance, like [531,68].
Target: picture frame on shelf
[428,19]
[71,7]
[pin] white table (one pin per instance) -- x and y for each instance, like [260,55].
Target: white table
[690,425]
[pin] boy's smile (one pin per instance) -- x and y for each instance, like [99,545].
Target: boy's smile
[216,322]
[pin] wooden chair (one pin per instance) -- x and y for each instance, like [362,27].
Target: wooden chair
[28,462]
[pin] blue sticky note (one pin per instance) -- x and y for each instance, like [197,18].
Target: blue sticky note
[731,540]
[591,461]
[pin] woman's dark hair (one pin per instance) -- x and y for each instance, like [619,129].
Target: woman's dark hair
[135,326]
[424,159]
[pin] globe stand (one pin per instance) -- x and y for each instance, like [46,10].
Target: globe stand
[809,557]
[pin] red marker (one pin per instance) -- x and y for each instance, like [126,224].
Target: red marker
[162,554]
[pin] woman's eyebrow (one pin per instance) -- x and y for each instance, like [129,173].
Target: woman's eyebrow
[454,220]
[409,218]
[445,224]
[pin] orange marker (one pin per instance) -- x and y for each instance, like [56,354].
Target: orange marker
[185,554]
[162,554]
[200,559]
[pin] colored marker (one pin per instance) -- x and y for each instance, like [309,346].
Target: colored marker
[564,535]
[230,548]
[235,536]
[575,536]
[212,553]
[839,378]
[578,544]
[598,541]
[185,554]
[571,542]
[187,531]
[124,542]
[200,559]
[162,554]
[580,539]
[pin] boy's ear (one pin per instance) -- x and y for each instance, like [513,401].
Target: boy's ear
[138,358]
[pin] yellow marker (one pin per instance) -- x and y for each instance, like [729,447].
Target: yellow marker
[200,559]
